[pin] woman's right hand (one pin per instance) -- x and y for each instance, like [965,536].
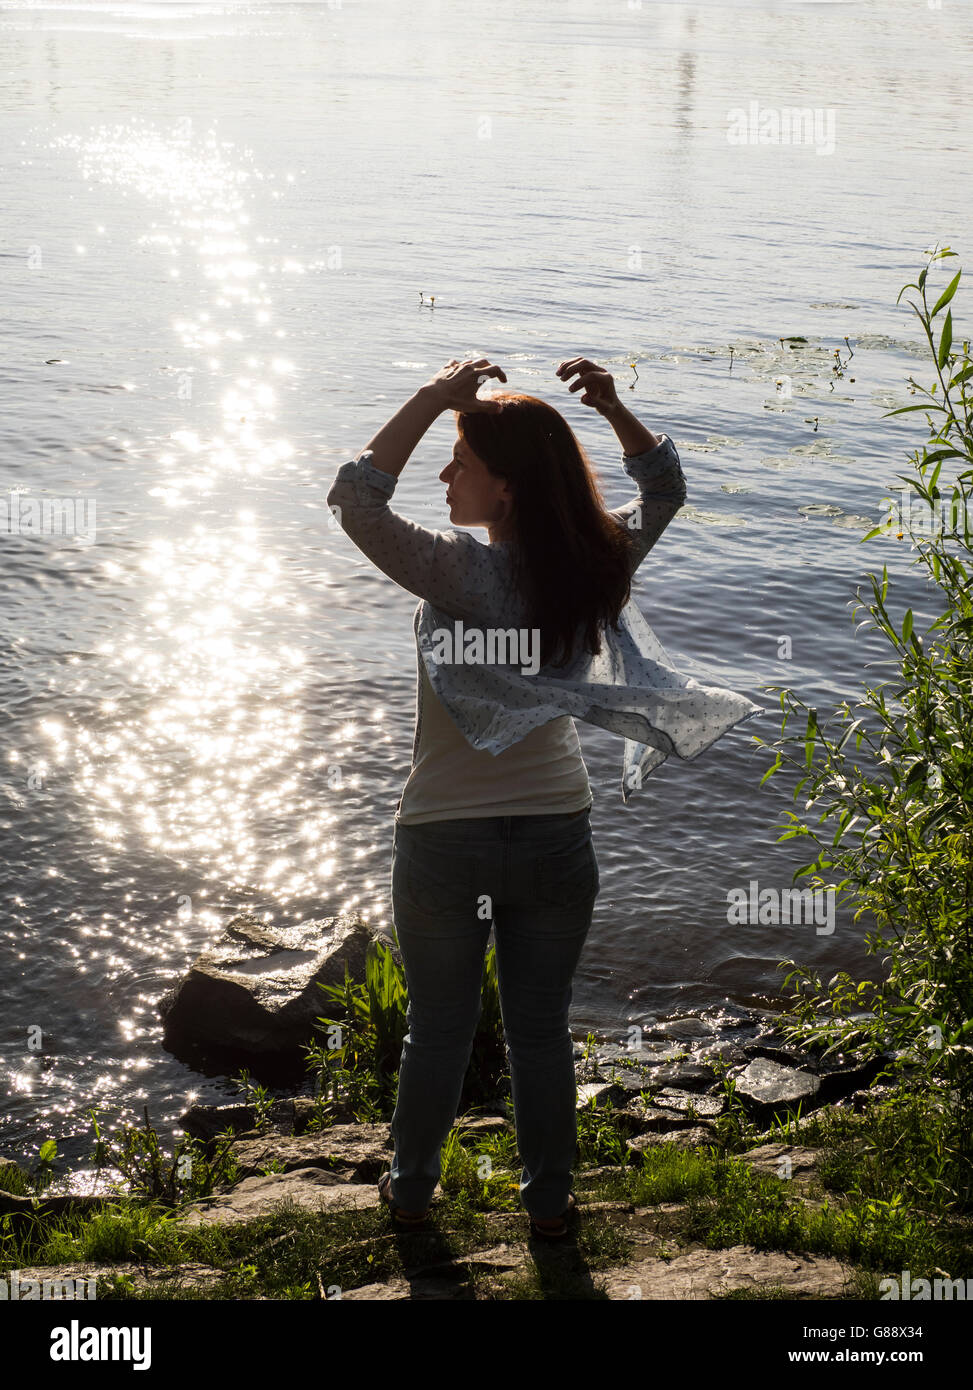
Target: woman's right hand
[454,386]
[597,383]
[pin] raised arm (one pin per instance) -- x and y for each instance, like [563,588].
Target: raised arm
[431,564]
[658,475]
[651,460]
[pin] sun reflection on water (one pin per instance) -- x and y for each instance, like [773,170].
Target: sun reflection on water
[199,749]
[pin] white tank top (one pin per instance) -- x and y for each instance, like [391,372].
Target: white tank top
[543,774]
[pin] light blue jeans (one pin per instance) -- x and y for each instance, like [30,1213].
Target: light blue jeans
[535,880]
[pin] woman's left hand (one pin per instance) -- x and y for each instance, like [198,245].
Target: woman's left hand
[455,385]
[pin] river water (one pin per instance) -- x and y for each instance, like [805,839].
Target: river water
[223,227]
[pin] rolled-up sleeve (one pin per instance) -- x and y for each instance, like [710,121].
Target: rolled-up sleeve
[662,491]
[433,565]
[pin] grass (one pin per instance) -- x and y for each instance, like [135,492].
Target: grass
[857,1212]
[881,1200]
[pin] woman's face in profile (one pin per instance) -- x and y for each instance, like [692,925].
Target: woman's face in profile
[475,496]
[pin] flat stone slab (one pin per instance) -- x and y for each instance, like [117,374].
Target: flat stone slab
[312,1188]
[355,1151]
[766,1085]
[706,1107]
[395,1291]
[589,1174]
[789,1162]
[705,1274]
[688,1075]
[729,1052]
[402,1291]
[784,1053]
[690,1138]
[484,1124]
[637,1117]
[599,1092]
[638,1077]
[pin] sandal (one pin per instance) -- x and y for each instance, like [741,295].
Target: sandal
[555,1227]
[399,1217]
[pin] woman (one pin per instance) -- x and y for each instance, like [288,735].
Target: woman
[492,828]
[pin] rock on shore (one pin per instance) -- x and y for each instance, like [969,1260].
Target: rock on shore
[254,995]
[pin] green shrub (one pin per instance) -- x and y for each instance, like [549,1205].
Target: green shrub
[191,1171]
[894,780]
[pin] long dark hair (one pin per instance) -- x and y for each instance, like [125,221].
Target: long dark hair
[571,560]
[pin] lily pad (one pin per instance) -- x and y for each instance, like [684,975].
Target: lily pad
[712,443]
[711,518]
[884,342]
[819,448]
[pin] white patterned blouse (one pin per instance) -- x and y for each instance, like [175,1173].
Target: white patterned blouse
[465,586]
